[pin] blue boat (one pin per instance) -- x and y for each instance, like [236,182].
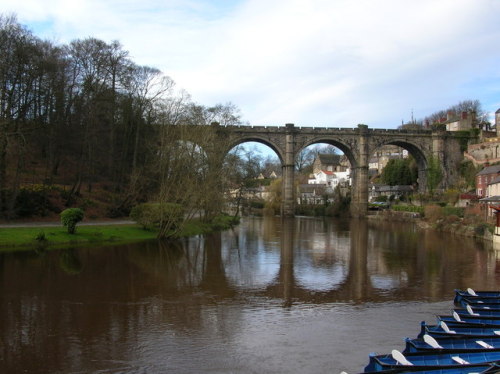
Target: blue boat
[469,311]
[471,369]
[452,344]
[478,304]
[470,321]
[470,294]
[442,329]
[426,360]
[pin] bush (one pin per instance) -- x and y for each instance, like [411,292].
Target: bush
[452,211]
[433,213]
[70,217]
[408,208]
[151,215]
[33,201]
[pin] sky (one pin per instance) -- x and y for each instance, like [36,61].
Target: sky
[322,63]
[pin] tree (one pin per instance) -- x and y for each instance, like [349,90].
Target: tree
[471,106]
[400,172]
[70,217]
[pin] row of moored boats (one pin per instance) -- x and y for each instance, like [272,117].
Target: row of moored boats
[465,342]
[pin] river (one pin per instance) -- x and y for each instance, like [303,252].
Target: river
[303,295]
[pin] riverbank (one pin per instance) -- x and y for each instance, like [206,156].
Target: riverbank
[29,235]
[478,230]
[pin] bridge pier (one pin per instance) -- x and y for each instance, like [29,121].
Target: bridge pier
[288,200]
[359,192]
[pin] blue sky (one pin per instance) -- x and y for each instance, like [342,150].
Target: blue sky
[332,63]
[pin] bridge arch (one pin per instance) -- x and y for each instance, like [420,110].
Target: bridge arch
[257,139]
[418,152]
[333,142]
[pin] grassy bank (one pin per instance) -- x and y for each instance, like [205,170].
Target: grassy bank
[25,238]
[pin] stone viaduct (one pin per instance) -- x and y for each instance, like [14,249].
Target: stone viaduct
[358,144]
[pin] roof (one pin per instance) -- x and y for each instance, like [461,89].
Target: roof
[490,199]
[319,188]
[398,188]
[495,181]
[493,169]
[498,110]
[327,172]
[329,159]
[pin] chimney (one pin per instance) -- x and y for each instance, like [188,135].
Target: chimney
[449,115]
[464,115]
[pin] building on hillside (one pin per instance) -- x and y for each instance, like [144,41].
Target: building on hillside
[381,157]
[271,175]
[492,196]
[466,199]
[328,162]
[330,178]
[313,194]
[396,192]
[464,121]
[484,178]
[488,150]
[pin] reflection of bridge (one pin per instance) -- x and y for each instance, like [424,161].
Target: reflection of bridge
[358,145]
[357,285]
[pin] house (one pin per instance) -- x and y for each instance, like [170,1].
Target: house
[382,156]
[328,162]
[484,178]
[314,194]
[378,190]
[464,121]
[330,178]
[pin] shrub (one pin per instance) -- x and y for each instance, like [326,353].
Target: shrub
[433,213]
[70,217]
[408,208]
[33,201]
[152,215]
[452,211]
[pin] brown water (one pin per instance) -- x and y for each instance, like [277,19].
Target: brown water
[299,296]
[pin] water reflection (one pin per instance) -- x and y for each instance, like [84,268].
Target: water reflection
[242,300]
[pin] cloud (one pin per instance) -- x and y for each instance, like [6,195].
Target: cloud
[318,62]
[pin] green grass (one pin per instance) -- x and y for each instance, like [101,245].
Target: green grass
[24,238]
[20,238]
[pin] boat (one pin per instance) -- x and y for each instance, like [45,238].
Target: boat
[469,311]
[478,304]
[426,360]
[470,321]
[452,344]
[476,295]
[471,369]
[442,329]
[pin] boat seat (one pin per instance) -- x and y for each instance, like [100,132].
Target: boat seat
[484,344]
[431,341]
[471,312]
[447,329]
[470,291]
[459,360]
[400,358]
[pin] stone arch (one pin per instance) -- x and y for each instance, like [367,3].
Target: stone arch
[333,142]
[246,139]
[416,152]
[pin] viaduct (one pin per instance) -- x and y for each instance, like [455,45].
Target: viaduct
[358,144]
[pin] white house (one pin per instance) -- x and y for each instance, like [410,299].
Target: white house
[330,179]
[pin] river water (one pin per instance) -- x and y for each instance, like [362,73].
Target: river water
[295,296]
